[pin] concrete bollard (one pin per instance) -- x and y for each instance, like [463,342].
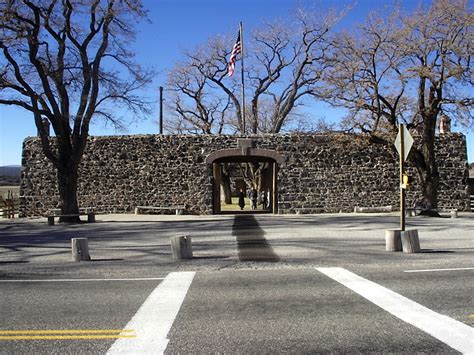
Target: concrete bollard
[393,241]
[410,241]
[454,213]
[181,247]
[80,249]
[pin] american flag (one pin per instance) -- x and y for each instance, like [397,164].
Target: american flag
[233,55]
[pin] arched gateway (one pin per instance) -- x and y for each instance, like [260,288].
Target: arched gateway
[262,163]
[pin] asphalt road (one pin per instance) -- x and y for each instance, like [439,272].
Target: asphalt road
[305,312]
[258,285]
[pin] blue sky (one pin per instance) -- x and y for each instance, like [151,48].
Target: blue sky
[179,25]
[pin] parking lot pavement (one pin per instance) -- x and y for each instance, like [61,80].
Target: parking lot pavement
[259,284]
[118,240]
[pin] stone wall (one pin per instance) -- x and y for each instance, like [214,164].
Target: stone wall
[320,173]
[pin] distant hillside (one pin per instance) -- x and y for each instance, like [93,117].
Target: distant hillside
[10,175]
[10,170]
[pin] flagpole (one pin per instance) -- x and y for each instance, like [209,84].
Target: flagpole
[243,81]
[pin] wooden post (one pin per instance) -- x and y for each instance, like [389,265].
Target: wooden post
[274,195]
[393,241]
[181,247]
[12,208]
[216,188]
[91,217]
[410,241]
[80,249]
[50,220]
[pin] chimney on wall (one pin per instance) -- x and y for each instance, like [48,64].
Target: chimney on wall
[444,124]
[45,126]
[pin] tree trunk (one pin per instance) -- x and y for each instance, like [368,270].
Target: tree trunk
[67,180]
[425,163]
[225,183]
[431,185]
[431,173]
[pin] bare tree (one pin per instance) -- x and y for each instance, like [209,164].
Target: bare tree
[64,61]
[289,62]
[252,173]
[193,105]
[284,63]
[406,69]
[364,77]
[439,47]
[209,64]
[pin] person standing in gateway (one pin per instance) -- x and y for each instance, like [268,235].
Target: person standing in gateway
[241,199]
[253,198]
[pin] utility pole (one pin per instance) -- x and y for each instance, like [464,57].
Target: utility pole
[161,109]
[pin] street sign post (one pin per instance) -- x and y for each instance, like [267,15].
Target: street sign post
[403,143]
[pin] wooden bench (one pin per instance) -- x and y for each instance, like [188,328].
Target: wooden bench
[412,212]
[179,209]
[380,209]
[90,217]
[82,211]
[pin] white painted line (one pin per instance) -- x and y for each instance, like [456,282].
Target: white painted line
[154,319]
[87,280]
[457,335]
[435,270]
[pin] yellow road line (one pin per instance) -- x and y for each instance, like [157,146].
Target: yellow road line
[67,334]
[66,331]
[64,337]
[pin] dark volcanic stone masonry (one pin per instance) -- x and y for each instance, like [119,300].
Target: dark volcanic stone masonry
[320,173]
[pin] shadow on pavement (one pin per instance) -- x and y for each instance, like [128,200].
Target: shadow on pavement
[435,251]
[251,240]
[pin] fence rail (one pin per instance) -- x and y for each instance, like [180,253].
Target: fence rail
[9,208]
[9,201]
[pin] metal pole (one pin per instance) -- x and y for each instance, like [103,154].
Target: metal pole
[161,109]
[402,170]
[242,71]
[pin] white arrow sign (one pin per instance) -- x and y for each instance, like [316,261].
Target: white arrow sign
[407,142]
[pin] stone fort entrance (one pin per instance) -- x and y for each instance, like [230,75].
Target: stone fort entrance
[304,173]
[246,169]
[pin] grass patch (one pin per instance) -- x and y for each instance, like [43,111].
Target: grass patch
[235,205]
